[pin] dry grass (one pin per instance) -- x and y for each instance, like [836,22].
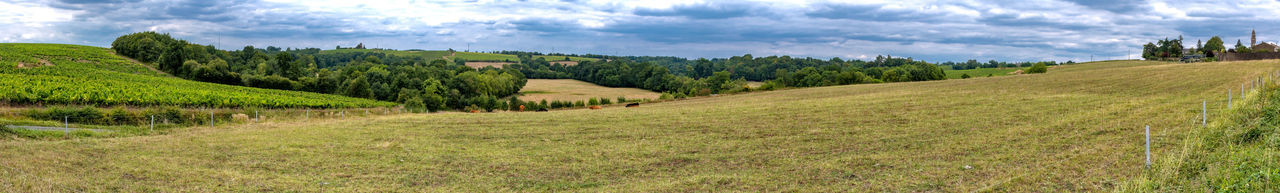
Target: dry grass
[1077,128]
[575,90]
[478,65]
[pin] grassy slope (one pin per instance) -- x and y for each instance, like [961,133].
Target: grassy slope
[85,74]
[1239,151]
[981,72]
[1076,128]
[575,90]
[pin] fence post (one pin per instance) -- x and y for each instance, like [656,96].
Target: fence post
[1148,146]
[256,117]
[210,118]
[1229,98]
[66,126]
[153,124]
[1204,113]
[342,114]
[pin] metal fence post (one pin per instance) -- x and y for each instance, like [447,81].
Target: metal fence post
[342,114]
[1204,113]
[1229,98]
[307,116]
[153,124]
[1148,146]
[210,118]
[256,116]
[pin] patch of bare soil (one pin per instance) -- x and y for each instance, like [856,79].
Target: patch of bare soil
[1016,72]
[566,63]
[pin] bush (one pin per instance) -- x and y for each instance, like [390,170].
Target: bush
[593,101]
[965,76]
[622,99]
[605,101]
[580,104]
[1038,68]
[668,96]
[74,115]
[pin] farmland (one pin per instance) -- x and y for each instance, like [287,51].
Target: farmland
[979,72]
[69,74]
[574,90]
[1076,128]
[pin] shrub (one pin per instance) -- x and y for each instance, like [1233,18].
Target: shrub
[964,76]
[580,104]
[593,101]
[622,99]
[1038,68]
[667,96]
[605,101]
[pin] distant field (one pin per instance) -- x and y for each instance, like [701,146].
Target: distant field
[575,90]
[1077,128]
[980,72]
[479,65]
[474,56]
[561,58]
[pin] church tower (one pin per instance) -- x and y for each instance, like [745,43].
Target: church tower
[1253,38]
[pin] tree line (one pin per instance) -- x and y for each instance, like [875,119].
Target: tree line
[417,82]
[728,75]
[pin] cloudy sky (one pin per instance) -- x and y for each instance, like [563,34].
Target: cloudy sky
[1013,30]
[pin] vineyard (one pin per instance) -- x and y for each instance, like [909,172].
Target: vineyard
[71,74]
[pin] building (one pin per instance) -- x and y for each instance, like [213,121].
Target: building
[1255,46]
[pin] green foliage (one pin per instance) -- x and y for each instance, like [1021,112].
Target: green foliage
[90,75]
[1038,68]
[605,101]
[622,99]
[964,76]
[593,101]
[1214,44]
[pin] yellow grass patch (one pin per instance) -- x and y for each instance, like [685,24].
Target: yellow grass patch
[575,90]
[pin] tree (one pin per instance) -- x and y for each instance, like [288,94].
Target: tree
[1240,48]
[359,87]
[1213,45]
[432,92]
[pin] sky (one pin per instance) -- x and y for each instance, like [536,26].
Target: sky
[1012,30]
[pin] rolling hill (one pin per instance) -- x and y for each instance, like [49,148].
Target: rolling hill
[72,74]
[1076,128]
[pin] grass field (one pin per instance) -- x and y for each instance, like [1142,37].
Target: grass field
[980,72]
[474,56]
[1077,128]
[575,90]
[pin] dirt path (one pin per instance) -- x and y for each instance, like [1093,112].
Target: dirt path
[139,63]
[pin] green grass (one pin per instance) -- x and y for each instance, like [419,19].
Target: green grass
[1239,151]
[1077,128]
[473,56]
[95,76]
[980,72]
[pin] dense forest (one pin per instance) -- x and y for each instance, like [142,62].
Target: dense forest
[417,82]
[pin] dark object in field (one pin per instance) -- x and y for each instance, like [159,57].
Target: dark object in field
[595,107]
[542,110]
[633,105]
[475,111]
